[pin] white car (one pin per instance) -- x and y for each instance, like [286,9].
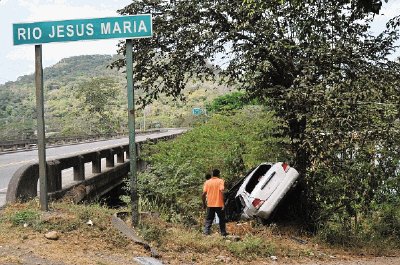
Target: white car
[263,188]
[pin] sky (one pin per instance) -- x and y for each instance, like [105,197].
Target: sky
[16,61]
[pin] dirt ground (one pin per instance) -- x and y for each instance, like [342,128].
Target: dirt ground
[35,249]
[74,248]
[101,244]
[356,261]
[55,253]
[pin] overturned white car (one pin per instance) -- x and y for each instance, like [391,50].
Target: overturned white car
[260,191]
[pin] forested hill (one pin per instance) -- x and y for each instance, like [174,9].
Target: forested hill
[61,83]
[69,70]
[84,96]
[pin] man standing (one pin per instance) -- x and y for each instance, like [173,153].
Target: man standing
[213,199]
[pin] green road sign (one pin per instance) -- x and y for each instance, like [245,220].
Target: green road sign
[197,111]
[124,27]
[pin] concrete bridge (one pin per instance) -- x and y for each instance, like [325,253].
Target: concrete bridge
[83,175]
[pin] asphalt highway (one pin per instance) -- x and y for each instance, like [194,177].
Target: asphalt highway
[9,163]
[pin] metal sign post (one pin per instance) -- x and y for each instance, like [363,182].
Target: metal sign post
[131,125]
[122,27]
[40,127]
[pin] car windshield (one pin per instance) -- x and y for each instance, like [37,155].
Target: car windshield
[255,178]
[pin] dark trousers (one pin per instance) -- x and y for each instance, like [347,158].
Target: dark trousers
[211,211]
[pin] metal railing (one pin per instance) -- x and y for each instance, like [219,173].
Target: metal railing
[7,146]
[23,184]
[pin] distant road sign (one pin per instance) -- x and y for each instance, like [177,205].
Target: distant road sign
[197,111]
[124,27]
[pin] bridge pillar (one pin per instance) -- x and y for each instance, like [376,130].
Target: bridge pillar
[54,182]
[120,155]
[110,158]
[96,163]
[79,169]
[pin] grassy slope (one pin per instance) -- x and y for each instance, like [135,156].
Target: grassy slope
[80,243]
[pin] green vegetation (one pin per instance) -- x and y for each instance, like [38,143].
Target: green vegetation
[317,65]
[331,91]
[28,217]
[65,102]
[251,247]
[84,96]
[232,143]
[229,102]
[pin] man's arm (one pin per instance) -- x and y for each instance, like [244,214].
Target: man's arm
[204,197]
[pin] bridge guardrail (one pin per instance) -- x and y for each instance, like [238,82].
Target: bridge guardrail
[23,184]
[15,145]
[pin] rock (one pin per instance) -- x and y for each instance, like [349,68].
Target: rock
[274,257]
[53,235]
[90,222]
[148,261]
[233,238]
[221,258]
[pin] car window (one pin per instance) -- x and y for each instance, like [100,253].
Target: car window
[257,175]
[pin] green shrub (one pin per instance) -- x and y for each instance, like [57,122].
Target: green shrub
[28,216]
[151,232]
[231,143]
[251,247]
[337,233]
[387,222]
[380,230]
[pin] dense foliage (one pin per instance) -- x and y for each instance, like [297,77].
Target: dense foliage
[229,102]
[84,96]
[316,63]
[231,143]
[64,103]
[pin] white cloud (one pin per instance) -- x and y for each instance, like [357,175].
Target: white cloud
[60,9]
[20,53]
[388,11]
[3,2]
[53,52]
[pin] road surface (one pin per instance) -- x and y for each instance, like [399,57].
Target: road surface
[9,163]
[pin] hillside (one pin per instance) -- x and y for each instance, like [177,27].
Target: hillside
[17,99]
[84,96]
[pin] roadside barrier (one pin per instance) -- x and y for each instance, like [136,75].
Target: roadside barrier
[7,146]
[24,183]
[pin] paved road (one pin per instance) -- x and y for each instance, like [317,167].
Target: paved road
[9,163]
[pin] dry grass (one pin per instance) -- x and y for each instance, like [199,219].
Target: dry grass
[80,243]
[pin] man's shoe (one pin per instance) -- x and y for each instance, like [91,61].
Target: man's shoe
[224,234]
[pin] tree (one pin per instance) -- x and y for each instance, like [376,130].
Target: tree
[98,97]
[314,62]
[228,102]
[366,6]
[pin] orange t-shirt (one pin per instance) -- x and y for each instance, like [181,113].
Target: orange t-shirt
[214,188]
